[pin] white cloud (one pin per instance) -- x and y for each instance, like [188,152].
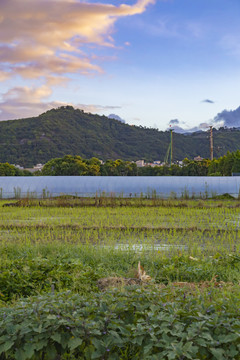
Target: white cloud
[44,39]
[21,102]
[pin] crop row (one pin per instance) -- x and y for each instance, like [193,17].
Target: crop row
[160,217]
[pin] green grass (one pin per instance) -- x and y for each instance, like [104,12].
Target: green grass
[53,256]
[72,247]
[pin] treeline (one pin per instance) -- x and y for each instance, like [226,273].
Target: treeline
[224,166]
[77,166]
[10,170]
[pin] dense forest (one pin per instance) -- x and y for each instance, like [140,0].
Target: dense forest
[76,166]
[63,131]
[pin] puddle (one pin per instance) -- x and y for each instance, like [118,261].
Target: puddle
[145,247]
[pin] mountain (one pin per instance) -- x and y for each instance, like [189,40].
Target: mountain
[65,130]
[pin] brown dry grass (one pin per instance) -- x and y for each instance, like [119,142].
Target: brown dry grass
[110,282]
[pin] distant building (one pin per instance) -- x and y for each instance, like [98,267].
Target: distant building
[18,167]
[154,164]
[198,158]
[140,163]
[37,167]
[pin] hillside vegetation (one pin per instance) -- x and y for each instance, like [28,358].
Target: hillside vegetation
[63,131]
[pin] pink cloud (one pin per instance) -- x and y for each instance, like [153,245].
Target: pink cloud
[44,38]
[20,102]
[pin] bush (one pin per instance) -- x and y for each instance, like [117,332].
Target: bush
[135,324]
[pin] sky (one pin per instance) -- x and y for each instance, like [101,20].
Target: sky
[152,63]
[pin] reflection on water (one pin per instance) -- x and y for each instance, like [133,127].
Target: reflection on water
[145,247]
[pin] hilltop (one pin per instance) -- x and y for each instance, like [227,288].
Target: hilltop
[66,130]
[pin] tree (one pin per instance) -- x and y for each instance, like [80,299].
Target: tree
[10,170]
[68,165]
[7,170]
[236,162]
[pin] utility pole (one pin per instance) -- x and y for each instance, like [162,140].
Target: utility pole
[171,142]
[211,143]
[169,153]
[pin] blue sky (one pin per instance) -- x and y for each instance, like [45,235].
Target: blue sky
[148,62]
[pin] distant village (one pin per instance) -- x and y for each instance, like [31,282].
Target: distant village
[139,163]
[142,163]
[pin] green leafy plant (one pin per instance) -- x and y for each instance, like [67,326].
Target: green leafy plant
[136,324]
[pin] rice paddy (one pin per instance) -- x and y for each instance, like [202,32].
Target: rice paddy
[189,248]
[190,225]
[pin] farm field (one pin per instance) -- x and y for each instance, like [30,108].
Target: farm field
[54,252]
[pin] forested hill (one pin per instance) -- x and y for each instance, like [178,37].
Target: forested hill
[62,131]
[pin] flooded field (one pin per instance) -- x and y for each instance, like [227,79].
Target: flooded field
[189,226]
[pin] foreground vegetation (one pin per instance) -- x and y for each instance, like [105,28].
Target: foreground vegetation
[136,324]
[52,258]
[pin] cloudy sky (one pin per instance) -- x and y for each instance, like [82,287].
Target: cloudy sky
[150,62]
